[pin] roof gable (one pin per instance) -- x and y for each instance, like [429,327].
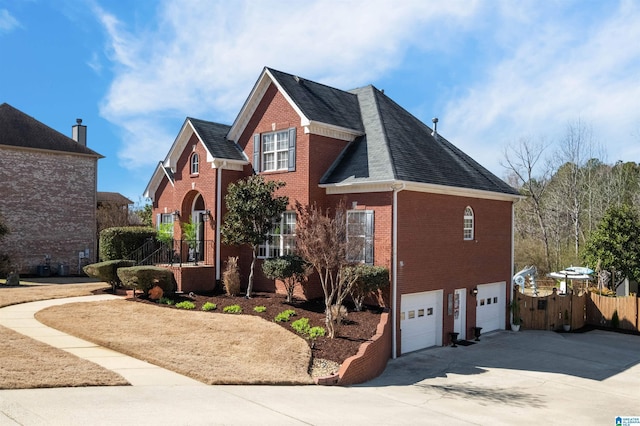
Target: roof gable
[322,109]
[20,130]
[221,152]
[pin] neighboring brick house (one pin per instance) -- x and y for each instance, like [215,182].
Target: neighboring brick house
[47,195]
[439,221]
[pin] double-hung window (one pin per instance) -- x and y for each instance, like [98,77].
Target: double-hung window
[275,151]
[468,230]
[164,224]
[282,237]
[360,236]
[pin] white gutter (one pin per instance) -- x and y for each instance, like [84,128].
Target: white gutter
[218,219]
[394,265]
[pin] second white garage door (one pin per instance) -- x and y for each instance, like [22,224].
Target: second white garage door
[420,320]
[490,306]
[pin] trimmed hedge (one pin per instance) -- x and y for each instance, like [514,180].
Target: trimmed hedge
[146,277]
[120,242]
[107,271]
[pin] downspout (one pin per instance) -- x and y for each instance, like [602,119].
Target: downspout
[218,218]
[394,286]
[513,255]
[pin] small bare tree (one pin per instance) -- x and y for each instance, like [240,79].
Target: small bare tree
[322,241]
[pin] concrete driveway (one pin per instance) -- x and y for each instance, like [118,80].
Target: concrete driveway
[531,377]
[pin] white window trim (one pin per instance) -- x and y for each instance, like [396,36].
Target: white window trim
[266,250]
[276,152]
[468,232]
[194,164]
[367,254]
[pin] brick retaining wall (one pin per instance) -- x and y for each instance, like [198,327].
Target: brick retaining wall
[369,362]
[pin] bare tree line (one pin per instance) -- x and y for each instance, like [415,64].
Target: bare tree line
[569,187]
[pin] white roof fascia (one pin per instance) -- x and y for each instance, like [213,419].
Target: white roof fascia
[154,182]
[331,131]
[379,186]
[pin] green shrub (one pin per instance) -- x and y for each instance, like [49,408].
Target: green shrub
[315,332]
[120,242]
[615,319]
[145,278]
[232,309]
[186,304]
[290,269]
[260,308]
[108,271]
[166,301]
[303,328]
[369,280]
[284,316]
[208,306]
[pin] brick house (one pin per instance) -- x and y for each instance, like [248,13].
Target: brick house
[439,221]
[47,195]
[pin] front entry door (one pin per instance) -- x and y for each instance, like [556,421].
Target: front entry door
[460,313]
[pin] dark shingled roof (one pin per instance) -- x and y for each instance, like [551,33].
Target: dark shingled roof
[20,130]
[214,137]
[321,103]
[112,197]
[398,146]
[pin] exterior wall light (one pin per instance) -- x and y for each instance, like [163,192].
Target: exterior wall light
[474,291]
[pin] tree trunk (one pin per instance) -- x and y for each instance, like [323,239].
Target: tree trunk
[329,322]
[253,262]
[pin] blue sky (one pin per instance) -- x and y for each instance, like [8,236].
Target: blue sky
[492,71]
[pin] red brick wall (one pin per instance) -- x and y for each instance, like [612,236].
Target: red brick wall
[48,200]
[369,362]
[433,254]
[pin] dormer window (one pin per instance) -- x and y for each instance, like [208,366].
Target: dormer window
[195,164]
[275,151]
[468,223]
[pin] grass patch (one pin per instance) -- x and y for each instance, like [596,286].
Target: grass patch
[214,349]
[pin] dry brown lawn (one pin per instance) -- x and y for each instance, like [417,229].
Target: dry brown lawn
[33,293]
[214,348]
[26,363]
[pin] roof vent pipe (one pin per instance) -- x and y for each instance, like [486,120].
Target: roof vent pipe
[435,127]
[79,132]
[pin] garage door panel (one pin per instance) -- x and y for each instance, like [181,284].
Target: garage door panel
[490,306]
[420,320]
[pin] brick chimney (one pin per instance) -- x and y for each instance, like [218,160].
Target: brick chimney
[79,132]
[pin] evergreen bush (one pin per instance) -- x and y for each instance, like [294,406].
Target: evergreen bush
[146,277]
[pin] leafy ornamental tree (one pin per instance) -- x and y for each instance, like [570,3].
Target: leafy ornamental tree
[251,210]
[290,269]
[616,244]
[369,279]
[322,241]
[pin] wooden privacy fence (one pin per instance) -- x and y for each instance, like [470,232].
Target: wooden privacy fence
[548,312]
[600,311]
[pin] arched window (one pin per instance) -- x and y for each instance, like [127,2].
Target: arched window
[195,164]
[468,223]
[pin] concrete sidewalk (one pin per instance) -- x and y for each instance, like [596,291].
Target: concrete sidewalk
[21,318]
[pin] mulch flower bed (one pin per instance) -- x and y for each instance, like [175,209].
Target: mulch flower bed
[357,328]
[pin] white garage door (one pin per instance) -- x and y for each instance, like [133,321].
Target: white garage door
[490,306]
[420,320]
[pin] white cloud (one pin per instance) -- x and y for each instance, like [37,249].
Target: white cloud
[559,70]
[7,22]
[203,57]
